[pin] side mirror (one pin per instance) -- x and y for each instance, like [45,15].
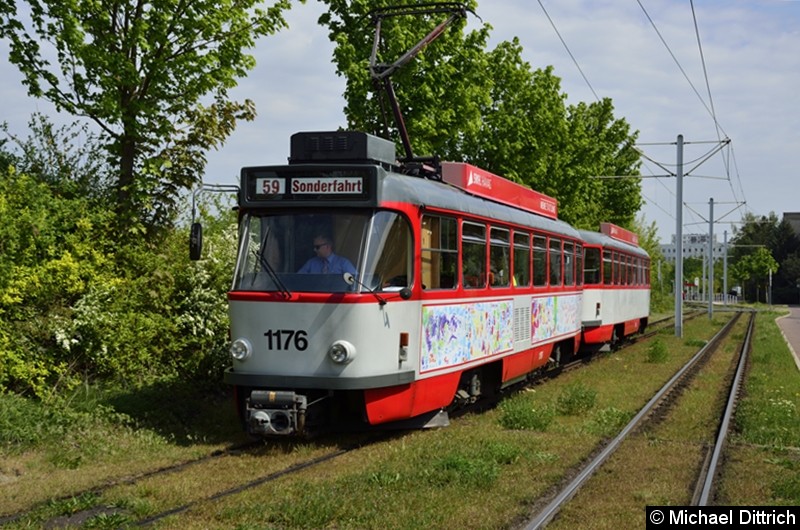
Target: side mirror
[196,241]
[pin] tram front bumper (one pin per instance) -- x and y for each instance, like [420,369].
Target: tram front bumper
[275,412]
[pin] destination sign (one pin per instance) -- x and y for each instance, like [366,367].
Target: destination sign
[308,185]
[270,186]
[328,186]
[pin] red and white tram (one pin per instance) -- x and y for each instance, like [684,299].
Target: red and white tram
[616,291]
[462,286]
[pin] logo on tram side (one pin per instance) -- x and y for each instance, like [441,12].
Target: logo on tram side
[478,179]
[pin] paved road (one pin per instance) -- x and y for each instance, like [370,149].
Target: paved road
[790,325]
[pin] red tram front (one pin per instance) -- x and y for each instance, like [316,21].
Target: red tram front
[363,296]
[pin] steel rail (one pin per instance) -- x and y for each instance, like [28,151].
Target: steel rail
[724,426]
[569,491]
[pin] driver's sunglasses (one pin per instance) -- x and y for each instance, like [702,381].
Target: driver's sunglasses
[317,247]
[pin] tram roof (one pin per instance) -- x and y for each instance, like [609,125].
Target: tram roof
[425,192]
[596,238]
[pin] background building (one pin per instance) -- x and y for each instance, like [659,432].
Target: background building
[793,218]
[694,246]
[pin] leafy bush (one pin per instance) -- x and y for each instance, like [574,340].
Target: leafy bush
[575,399]
[82,298]
[657,352]
[608,421]
[519,414]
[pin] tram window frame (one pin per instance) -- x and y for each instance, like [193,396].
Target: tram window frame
[592,267]
[555,250]
[473,255]
[439,252]
[578,264]
[608,267]
[540,256]
[521,264]
[631,278]
[568,254]
[623,278]
[639,271]
[499,257]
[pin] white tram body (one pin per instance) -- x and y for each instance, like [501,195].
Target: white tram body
[616,290]
[460,287]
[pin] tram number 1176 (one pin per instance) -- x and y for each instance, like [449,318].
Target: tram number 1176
[282,339]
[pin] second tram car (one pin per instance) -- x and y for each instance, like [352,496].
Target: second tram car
[364,295]
[616,291]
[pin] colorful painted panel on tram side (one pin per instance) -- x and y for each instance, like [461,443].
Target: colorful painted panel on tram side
[455,334]
[554,316]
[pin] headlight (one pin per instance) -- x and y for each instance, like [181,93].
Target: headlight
[241,349]
[341,352]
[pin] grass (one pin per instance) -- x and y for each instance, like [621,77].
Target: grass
[481,472]
[764,456]
[48,450]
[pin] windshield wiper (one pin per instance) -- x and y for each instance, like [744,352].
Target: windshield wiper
[262,259]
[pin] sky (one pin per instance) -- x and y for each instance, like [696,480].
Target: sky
[707,70]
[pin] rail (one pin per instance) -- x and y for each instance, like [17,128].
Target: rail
[550,511]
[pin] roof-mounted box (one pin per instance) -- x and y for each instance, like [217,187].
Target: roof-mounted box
[341,146]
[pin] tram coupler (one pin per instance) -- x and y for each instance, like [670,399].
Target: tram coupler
[275,412]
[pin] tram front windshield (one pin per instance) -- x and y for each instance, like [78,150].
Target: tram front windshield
[318,251]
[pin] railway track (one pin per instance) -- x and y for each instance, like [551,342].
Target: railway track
[128,480]
[213,466]
[263,470]
[655,411]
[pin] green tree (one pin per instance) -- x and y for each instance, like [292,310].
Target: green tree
[661,272]
[49,156]
[435,107]
[756,267]
[490,108]
[778,237]
[153,75]
[78,302]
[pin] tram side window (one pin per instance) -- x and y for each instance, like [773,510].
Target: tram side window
[579,264]
[569,263]
[623,269]
[555,261]
[631,279]
[539,261]
[639,271]
[499,252]
[473,244]
[522,260]
[631,271]
[607,268]
[439,241]
[591,269]
[617,269]
[647,272]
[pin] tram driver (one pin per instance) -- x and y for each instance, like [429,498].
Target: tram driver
[325,261]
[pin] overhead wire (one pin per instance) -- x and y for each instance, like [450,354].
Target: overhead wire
[710,109]
[568,50]
[725,159]
[705,71]
[680,67]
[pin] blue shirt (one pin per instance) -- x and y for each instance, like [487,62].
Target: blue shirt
[336,265]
